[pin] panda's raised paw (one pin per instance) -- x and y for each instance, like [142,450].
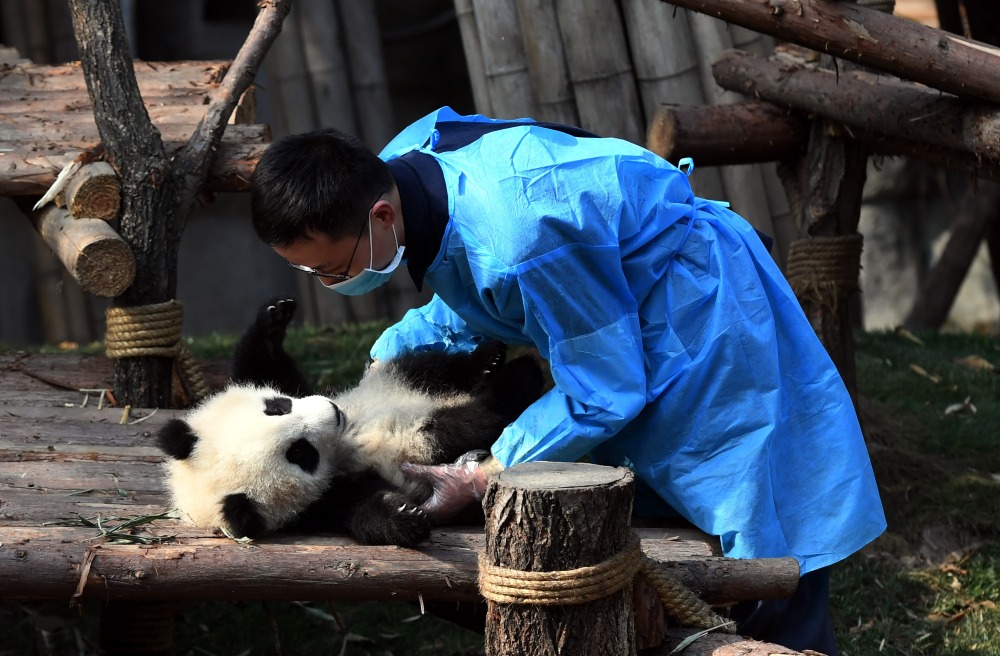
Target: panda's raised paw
[272,322]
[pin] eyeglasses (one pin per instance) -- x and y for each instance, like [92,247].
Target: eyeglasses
[340,277]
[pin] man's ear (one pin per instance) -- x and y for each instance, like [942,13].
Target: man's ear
[176,439]
[242,517]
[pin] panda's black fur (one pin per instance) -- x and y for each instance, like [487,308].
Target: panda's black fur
[324,479]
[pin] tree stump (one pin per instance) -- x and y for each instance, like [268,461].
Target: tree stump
[554,517]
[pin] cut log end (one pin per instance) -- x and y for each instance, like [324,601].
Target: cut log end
[105,268]
[94,192]
[563,475]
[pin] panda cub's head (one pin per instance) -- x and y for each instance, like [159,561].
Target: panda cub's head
[251,458]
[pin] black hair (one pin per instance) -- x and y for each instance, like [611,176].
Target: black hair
[321,181]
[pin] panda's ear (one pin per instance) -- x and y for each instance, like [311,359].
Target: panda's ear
[176,439]
[242,516]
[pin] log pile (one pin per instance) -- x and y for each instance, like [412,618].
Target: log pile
[925,93]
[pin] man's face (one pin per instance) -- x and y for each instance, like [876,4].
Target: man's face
[330,261]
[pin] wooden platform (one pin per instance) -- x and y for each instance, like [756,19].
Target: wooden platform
[61,460]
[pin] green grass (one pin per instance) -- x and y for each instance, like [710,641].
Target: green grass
[929,586]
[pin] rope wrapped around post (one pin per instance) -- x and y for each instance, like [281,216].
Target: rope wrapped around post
[151,331]
[824,270]
[585,584]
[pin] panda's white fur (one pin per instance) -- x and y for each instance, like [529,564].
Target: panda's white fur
[377,424]
[258,457]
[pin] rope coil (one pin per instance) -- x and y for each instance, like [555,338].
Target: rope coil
[153,330]
[824,270]
[585,584]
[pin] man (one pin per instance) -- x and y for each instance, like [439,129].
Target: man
[675,345]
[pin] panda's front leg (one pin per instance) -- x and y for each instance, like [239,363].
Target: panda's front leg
[260,357]
[388,517]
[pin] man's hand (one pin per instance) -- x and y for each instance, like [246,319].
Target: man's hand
[455,486]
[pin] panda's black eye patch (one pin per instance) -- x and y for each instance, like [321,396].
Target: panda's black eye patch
[277,405]
[303,454]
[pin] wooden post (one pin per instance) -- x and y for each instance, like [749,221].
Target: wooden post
[549,517]
[547,62]
[505,62]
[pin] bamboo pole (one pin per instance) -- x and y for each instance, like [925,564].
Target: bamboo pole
[473,49]
[369,89]
[603,79]
[505,62]
[743,184]
[547,62]
[666,69]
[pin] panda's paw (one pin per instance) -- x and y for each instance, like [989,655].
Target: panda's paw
[272,322]
[489,358]
[406,524]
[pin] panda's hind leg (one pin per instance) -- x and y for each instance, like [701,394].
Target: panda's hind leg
[260,357]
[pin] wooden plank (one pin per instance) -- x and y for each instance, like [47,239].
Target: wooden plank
[151,76]
[82,135]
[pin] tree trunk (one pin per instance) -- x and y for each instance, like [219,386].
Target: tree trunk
[157,191]
[966,68]
[551,517]
[149,191]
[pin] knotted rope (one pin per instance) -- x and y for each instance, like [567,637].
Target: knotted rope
[153,330]
[586,584]
[824,270]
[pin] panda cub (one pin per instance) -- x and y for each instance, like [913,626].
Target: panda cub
[267,454]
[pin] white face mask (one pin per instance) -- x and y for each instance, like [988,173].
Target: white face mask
[369,279]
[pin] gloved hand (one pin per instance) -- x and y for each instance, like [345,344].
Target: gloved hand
[456,486]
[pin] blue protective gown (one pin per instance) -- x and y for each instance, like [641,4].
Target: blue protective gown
[676,346]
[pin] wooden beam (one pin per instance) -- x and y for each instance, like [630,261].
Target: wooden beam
[46,563]
[727,134]
[966,68]
[91,251]
[866,101]
[31,171]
